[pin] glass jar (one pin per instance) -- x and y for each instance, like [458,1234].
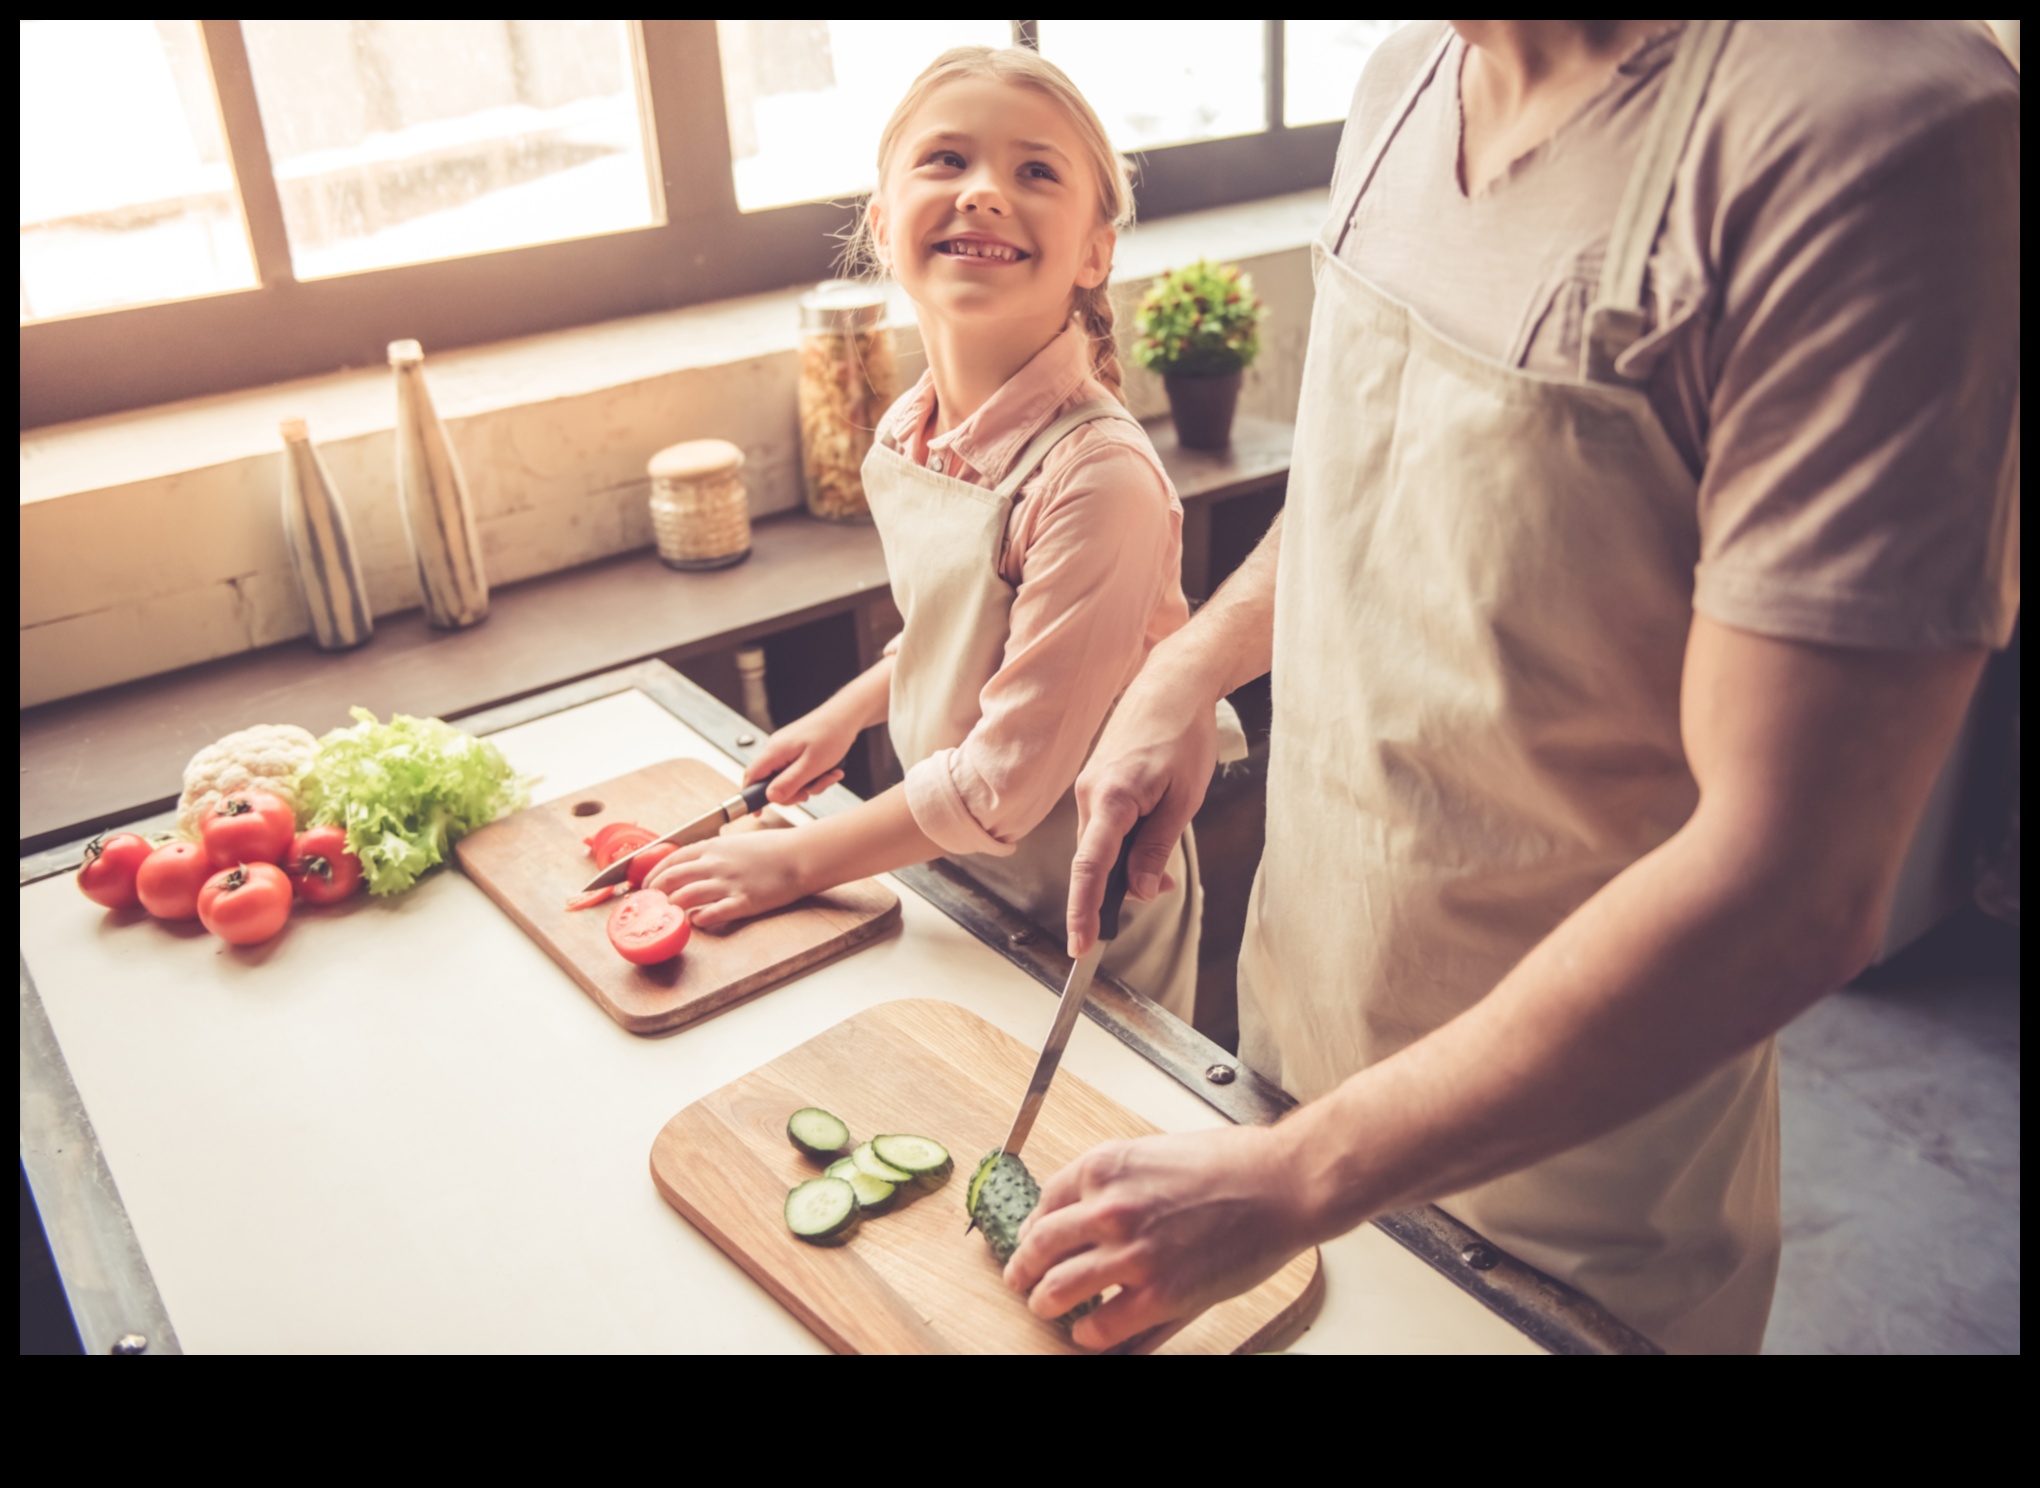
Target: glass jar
[848,378]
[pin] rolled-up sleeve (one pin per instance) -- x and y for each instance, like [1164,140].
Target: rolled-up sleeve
[1107,542]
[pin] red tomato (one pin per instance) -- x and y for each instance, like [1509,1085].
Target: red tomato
[646,863]
[169,879]
[247,827]
[592,897]
[619,840]
[246,903]
[321,867]
[647,928]
[111,863]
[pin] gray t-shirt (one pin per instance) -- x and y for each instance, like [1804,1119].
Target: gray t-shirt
[1834,302]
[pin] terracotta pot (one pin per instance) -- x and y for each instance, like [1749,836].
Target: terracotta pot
[1203,408]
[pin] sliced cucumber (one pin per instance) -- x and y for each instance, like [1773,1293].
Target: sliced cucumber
[1007,1194]
[842,1168]
[817,1134]
[821,1208]
[874,1195]
[977,1182]
[870,1162]
[916,1155]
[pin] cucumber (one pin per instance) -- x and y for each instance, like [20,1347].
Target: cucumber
[817,1134]
[1003,1194]
[870,1162]
[821,1209]
[916,1155]
[977,1182]
[874,1195]
[842,1168]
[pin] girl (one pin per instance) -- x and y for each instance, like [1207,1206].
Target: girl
[1033,542]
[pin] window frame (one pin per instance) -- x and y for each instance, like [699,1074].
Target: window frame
[704,248]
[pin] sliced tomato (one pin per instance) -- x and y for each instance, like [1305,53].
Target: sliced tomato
[321,867]
[245,904]
[646,863]
[647,928]
[594,897]
[609,842]
[169,879]
[111,864]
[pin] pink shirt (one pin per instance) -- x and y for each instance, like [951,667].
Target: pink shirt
[1093,550]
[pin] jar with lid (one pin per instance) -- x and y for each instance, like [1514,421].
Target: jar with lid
[848,379]
[700,514]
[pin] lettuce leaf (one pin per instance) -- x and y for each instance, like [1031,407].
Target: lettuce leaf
[406,791]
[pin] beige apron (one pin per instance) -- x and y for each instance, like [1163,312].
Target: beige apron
[1481,614]
[943,539]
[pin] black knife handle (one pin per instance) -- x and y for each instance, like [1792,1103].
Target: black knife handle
[754,795]
[1115,885]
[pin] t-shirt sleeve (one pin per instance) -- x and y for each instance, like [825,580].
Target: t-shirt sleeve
[1091,578]
[1861,478]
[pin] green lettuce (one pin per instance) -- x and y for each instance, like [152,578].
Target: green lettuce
[406,791]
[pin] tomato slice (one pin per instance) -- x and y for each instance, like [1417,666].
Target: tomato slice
[646,863]
[594,897]
[618,839]
[647,928]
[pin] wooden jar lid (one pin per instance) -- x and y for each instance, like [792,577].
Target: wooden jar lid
[696,459]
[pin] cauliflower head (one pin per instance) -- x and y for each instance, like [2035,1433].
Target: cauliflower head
[270,756]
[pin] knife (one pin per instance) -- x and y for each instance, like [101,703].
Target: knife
[748,801]
[1073,993]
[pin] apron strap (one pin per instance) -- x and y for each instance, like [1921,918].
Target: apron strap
[1037,451]
[1616,320]
[1349,203]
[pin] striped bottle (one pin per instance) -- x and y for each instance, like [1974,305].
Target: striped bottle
[436,504]
[321,543]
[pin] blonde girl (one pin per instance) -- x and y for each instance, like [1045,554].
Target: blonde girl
[1032,539]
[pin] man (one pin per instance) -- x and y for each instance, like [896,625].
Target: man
[1653,508]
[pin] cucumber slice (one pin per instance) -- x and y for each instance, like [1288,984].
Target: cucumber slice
[977,1182]
[874,1195]
[821,1208]
[842,1168]
[870,1162]
[817,1134]
[916,1155]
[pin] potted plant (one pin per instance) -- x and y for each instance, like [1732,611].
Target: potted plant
[1200,327]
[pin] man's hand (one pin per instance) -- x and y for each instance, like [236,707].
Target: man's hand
[1179,1222]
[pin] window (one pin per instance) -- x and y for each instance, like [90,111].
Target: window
[218,204]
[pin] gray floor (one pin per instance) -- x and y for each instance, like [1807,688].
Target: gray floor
[1901,1133]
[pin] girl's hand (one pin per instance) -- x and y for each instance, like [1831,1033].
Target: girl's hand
[734,877]
[801,758]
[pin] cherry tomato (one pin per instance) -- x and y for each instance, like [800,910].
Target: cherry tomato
[593,897]
[617,840]
[169,879]
[646,863]
[647,928]
[111,863]
[250,826]
[246,903]
[321,867]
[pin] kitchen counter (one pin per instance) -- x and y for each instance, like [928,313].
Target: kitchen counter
[400,1127]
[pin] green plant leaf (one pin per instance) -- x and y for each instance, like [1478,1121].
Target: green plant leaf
[1200,320]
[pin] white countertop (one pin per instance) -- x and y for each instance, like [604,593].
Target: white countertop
[400,1127]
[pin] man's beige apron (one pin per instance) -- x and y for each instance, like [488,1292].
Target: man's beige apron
[1481,613]
[943,540]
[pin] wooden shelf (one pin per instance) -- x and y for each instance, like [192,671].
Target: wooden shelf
[112,755]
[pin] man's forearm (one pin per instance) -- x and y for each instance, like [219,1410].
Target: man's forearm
[1231,639]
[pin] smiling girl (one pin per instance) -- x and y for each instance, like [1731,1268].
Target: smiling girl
[1032,539]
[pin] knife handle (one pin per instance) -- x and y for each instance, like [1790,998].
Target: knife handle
[753,795]
[1115,885]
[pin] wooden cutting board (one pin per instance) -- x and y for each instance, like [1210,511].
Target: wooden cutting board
[910,1280]
[532,862]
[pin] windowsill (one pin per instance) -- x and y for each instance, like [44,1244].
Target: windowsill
[150,540]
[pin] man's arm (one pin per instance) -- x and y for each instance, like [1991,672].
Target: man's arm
[1157,753]
[1814,764]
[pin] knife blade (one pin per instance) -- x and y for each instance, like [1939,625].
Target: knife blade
[1082,971]
[747,802]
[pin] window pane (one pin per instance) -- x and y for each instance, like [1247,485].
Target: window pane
[126,194]
[1322,62]
[808,99]
[399,141]
[1156,83]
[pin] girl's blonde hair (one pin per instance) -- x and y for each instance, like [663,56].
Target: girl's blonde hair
[1026,69]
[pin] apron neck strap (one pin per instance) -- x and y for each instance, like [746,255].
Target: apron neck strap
[1363,172]
[1616,319]
[1037,449]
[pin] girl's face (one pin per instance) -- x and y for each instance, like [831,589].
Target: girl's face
[989,211]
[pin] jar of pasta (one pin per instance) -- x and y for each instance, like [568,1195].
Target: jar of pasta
[700,513]
[847,380]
